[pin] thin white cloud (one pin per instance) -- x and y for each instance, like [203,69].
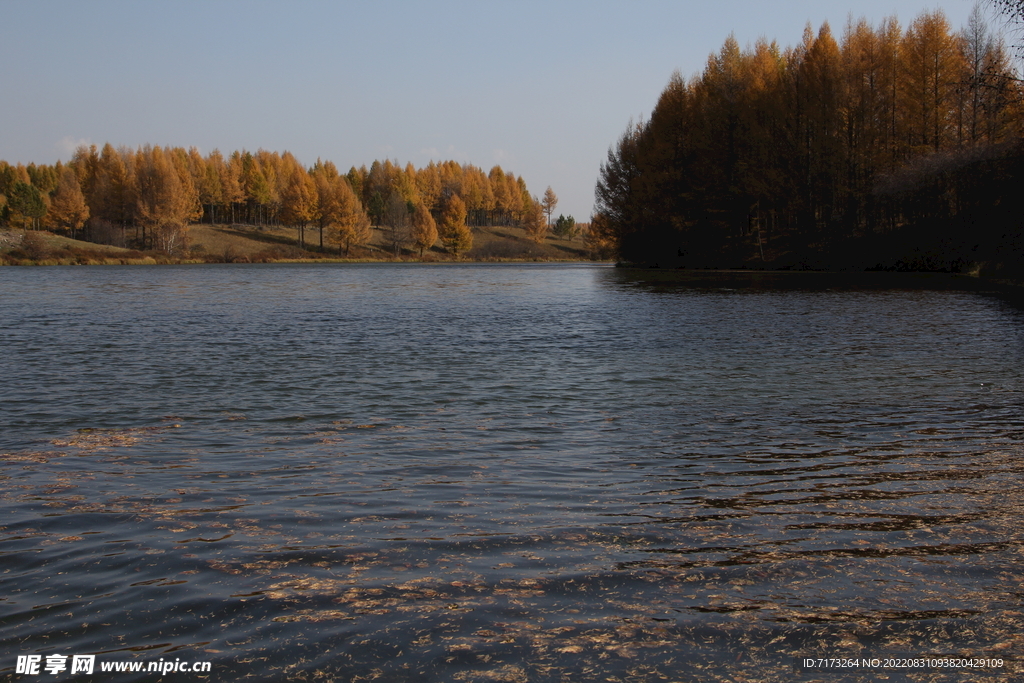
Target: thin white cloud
[68,144]
[455,155]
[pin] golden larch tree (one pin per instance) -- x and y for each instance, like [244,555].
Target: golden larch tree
[533,221]
[166,200]
[454,231]
[67,204]
[327,199]
[499,191]
[549,202]
[932,65]
[298,197]
[353,225]
[424,229]
[428,185]
[396,223]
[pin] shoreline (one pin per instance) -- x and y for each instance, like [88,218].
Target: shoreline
[63,251]
[154,261]
[668,274]
[974,281]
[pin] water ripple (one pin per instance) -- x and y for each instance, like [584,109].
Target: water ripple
[508,472]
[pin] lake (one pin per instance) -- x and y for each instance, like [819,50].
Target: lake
[509,472]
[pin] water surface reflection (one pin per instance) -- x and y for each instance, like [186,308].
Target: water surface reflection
[508,472]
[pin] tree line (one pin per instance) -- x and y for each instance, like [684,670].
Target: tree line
[890,147]
[146,198]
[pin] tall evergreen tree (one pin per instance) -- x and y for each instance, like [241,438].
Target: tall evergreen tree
[26,204]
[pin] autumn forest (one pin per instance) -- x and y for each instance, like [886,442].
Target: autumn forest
[886,147]
[148,197]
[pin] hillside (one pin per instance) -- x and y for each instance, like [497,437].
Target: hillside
[247,244]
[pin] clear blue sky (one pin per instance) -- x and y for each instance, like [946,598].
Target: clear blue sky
[542,88]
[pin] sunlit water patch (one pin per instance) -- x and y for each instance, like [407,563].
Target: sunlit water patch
[509,473]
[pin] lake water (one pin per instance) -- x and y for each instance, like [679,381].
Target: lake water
[508,473]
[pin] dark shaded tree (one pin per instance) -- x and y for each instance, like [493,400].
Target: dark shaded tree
[779,158]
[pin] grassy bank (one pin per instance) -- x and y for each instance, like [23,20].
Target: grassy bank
[273,244]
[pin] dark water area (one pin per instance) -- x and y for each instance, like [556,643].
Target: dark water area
[509,473]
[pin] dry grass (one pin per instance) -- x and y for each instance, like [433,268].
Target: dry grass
[250,244]
[42,248]
[246,243]
[14,238]
[507,243]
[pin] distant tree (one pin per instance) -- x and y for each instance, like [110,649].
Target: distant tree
[167,202]
[43,177]
[67,205]
[381,181]
[601,238]
[454,231]
[405,185]
[206,180]
[327,203]
[515,197]
[26,204]
[230,172]
[619,210]
[450,175]
[8,176]
[424,229]
[171,238]
[533,221]
[428,185]
[277,171]
[477,193]
[110,185]
[356,179]
[549,202]
[298,200]
[353,225]
[565,226]
[375,207]
[500,214]
[395,220]
[190,190]
[256,189]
